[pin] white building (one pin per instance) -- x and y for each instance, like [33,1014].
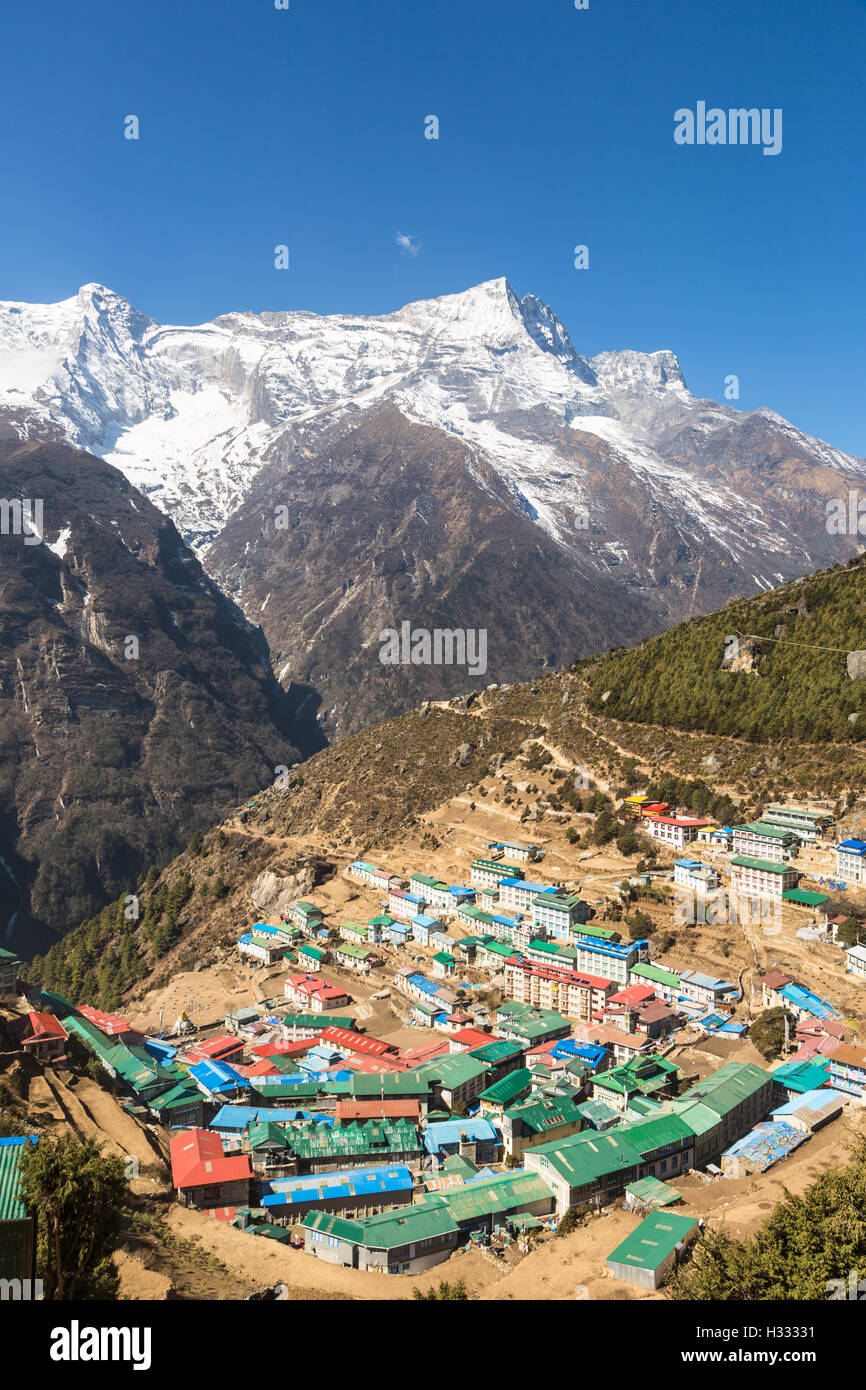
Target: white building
[675,831]
[851,861]
[519,895]
[762,878]
[857,961]
[697,877]
[765,841]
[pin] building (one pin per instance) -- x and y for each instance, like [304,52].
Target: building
[704,989]
[475,1139]
[350,1192]
[529,1026]
[422,925]
[202,1174]
[652,1077]
[847,1070]
[666,983]
[516,850]
[486,871]
[404,1242]
[807,825]
[556,914]
[42,1036]
[762,878]
[539,1119]
[518,895]
[779,990]
[725,1106]
[359,959]
[851,861]
[313,993]
[433,892]
[256,945]
[763,840]
[483,1200]
[305,915]
[614,960]
[856,961]
[697,877]
[363,872]
[674,831]
[646,1257]
[456,1078]
[17,1226]
[588,1170]
[763,1146]
[311,957]
[404,905]
[444,965]
[10,964]
[812,1110]
[567,992]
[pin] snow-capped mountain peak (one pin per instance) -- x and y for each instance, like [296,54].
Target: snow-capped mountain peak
[191,414]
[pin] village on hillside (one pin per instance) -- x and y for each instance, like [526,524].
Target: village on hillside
[427,1071]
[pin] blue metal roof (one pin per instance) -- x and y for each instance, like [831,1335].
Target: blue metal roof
[216,1077]
[766,1144]
[805,999]
[352,1182]
[451,1131]
[854,846]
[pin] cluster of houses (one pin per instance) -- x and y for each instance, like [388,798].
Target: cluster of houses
[294,1124]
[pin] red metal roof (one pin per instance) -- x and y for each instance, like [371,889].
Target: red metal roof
[632,995]
[679,820]
[357,1042]
[223,1046]
[197,1160]
[282,1047]
[471,1037]
[111,1024]
[41,1027]
[376,1109]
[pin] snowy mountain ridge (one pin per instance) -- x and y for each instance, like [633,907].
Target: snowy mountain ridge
[191,414]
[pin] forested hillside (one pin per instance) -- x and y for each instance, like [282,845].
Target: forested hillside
[785,676]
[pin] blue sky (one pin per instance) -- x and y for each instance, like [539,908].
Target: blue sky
[306,127]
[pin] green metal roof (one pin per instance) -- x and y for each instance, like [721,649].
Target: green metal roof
[765,829]
[301,1020]
[508,1088]
[727,1087]
[424,1221]
[12,1207]
[803,1076]
[385,1137]
[654,1192]
[804,897]
[768,866]
[540,1113]
[181,1095]
[444,958]
[490,1196]
[656,974]
[586,1157]
[265,1134]
[452,1070]
[500,1050]
[654,1240]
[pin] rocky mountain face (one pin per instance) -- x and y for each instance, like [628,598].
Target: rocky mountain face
[588,501]
[681,501]
[136,702]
